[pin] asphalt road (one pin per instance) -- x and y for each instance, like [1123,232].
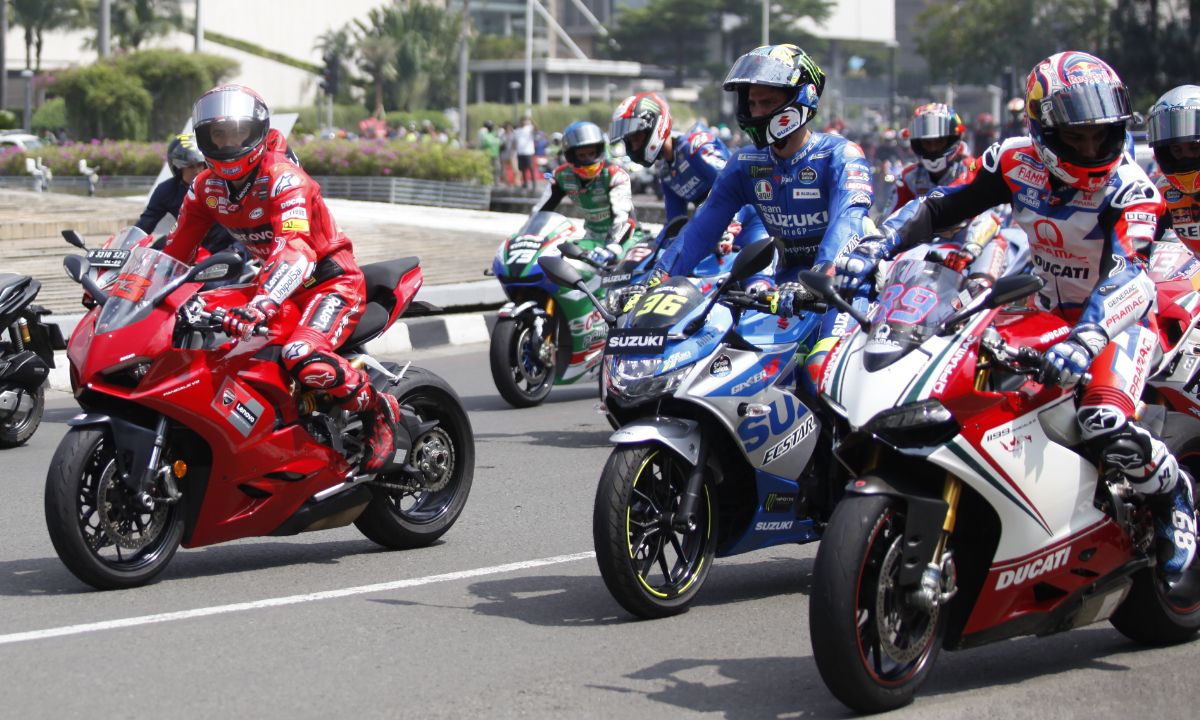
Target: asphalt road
[505,617]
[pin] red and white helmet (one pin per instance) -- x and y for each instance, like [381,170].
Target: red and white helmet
[231,124]
[1075,90]
[645,113]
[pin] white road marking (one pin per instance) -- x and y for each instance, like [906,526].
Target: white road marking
[288,600]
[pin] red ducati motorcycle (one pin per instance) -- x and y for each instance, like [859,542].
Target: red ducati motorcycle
[188,438]
[976,514]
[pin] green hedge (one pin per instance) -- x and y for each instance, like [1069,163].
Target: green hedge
[399,158]
[112,157]
[553,117]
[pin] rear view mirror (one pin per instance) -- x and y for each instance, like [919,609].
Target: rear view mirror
[572,251]
[76,267]
[752,259]
[560,271]
[1011,288]
[74,238]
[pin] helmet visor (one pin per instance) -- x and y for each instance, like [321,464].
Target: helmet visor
[1086,103]
[622,128]
[753,69]
[229,123]
[932,126]
[1174,124]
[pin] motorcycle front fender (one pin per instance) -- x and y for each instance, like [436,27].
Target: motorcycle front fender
[136,440]
[512,310]
[923,524]
[681,436]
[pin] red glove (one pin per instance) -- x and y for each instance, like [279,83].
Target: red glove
[242,321]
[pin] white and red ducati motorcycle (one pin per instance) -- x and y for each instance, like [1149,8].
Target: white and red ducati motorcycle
[974,515]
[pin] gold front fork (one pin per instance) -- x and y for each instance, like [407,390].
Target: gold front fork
[951,492]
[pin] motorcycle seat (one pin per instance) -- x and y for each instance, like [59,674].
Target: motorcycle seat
[11,283]
[382,279]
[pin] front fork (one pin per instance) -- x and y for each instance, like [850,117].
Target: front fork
[939,582]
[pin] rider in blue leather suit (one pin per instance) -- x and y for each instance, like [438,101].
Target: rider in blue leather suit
[812,190]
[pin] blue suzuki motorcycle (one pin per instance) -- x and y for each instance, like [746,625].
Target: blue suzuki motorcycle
[715,455]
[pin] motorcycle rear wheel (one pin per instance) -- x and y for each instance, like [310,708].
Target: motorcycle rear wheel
[873,648]
[519,367]
[99,531]
[416,517]
[649,568]
[18,429]
[1148,615]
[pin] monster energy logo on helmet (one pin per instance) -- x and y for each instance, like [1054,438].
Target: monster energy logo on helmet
[788,68]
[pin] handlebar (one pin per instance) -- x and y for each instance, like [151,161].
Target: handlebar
[1027,360]
[216,320]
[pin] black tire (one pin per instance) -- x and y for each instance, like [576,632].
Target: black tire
[523,379]
[860,546]
[650,569]
[403,519]
[1148,615]
[84,466]
[17,431]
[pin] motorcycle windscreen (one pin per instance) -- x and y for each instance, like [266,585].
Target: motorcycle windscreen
[545,225]
[915,299]
[665,305]
[138,288]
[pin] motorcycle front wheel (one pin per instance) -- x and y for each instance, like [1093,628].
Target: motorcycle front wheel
[523,360]
[25,419]
[651,569]
[872,645]
[104,536]
[408,512]
[1151,614]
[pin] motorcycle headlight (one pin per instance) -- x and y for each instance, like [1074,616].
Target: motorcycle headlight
[919,424]
[639,377]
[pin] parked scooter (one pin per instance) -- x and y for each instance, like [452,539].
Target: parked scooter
[25,358]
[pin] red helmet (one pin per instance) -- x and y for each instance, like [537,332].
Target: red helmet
[231,124]
[935,134]
[645,113]
[1074,92]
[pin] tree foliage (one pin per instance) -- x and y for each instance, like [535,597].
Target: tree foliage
[407,51]
[147,94]
[174,81]
[133,22]
[104,102]
[673,33]
[38,17]
[1153,44]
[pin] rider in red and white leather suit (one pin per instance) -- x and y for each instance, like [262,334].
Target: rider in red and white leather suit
[936,136]
[254,191]
[1084,204]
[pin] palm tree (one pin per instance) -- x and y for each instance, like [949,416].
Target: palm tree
[38,16]
[135,21]
[377,58]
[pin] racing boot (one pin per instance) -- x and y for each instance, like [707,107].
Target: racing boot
[381,421]
[1154,472]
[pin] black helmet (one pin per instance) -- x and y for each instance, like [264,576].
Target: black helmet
[781,66]
[182,152]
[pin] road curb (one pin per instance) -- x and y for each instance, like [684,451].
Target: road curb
[405,336]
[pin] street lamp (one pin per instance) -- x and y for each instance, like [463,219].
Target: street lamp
[514,92]
[27,76]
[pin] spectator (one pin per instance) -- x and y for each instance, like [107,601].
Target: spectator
[525,152]
[508,153]
[489,143]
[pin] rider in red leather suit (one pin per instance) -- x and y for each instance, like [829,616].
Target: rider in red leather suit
[265,200]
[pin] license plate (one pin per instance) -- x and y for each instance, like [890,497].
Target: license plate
[107,257]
